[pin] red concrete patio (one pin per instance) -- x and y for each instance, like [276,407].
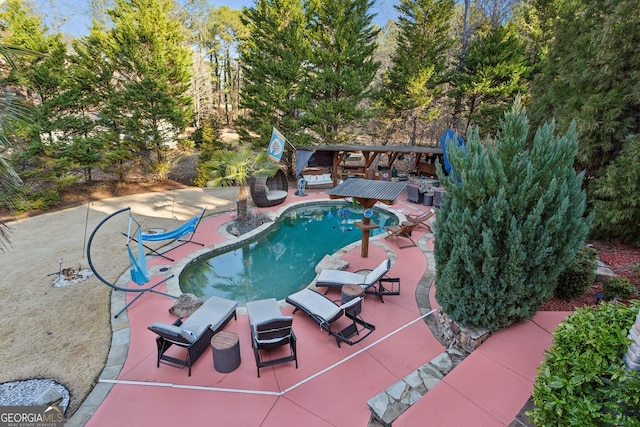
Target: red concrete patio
[332,385]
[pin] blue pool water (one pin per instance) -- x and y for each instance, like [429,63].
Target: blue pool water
[281,261]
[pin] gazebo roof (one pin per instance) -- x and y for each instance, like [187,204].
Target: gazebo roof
[374,148]
[384,191]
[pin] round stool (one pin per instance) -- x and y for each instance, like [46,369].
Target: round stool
[226,351]
[350,292]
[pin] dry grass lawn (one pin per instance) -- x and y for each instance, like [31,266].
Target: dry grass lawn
[65,333]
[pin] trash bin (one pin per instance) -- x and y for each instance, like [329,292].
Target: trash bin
[428,199]
[437,197]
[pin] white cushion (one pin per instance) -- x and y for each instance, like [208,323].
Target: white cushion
[276,195]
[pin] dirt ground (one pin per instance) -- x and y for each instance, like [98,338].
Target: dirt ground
[64,333]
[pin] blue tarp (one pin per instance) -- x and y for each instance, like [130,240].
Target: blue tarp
[449,135]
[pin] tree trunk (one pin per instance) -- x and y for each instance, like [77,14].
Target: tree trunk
[241,203]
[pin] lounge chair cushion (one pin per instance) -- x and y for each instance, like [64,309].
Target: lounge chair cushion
[276,194]
[212,314]
[341,276]
[320,305]
[377,272]
[261,311]
[347,277]
[173,333]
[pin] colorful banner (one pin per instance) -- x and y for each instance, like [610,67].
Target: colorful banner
[276,146]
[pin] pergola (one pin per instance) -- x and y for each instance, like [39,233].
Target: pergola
[337,156]
[367,192]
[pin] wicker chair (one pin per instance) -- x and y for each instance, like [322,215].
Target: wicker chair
[269,191]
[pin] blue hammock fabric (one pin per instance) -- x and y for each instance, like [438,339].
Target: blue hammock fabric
[186,228]
[138,269]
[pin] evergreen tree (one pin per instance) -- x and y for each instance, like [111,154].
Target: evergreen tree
[616,201]
[273,58]
[341,69]
[494,72]
[150,105]
[512,219]
[415,82]
[591,75]
[42,80]
[95,86]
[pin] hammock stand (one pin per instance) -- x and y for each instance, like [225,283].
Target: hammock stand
[139,291]
[188,227]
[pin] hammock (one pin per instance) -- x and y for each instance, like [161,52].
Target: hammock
[138,268]
[186,228]
[138,264]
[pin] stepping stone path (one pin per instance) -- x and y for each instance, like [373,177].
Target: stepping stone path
[395,400]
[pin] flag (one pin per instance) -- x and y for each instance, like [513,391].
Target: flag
[276,146]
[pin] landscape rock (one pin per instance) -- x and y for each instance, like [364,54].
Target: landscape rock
[186,305]
[50,397]
[603,272]
[329,262]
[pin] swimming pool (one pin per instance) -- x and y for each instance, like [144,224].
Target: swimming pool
[282,260]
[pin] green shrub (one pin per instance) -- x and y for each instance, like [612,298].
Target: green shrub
[512,219]
[618,287]
[583,380]
[616,196]
[43,199]
[579,276]
[36,201]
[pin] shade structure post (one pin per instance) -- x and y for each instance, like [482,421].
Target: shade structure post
[367,192]
[366,225]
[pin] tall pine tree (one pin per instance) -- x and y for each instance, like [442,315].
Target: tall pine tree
[42,80]
[512,219]
[494,72]
[273,59]
[152,66]
[415,82]
[341,69]
[591,74]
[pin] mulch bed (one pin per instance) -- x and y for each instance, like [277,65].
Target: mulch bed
[622,259]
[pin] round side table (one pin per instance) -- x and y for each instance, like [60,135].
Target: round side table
[226,351]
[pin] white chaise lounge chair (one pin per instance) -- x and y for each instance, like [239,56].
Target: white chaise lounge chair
[326,312]
[385,285]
